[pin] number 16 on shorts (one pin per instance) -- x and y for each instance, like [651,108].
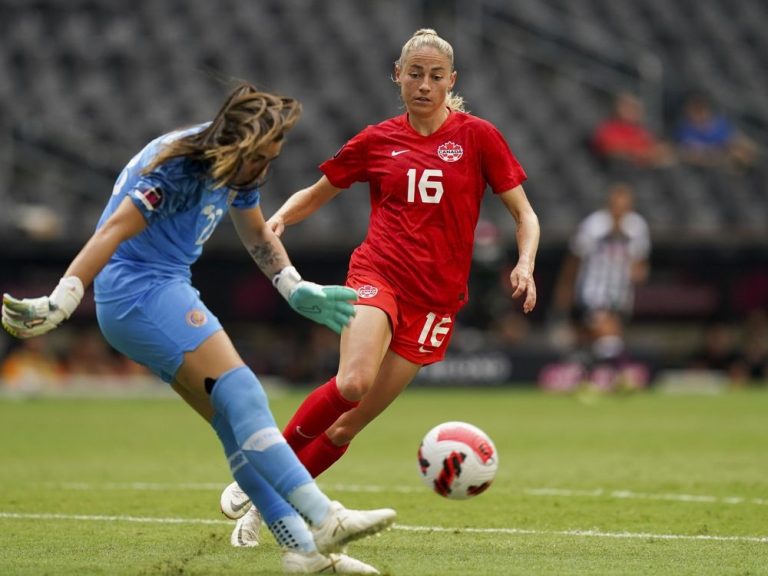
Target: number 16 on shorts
[434,332]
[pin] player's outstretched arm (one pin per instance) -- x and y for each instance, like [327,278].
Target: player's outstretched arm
[327,305]
[528,233]
[28,317]
[302,204]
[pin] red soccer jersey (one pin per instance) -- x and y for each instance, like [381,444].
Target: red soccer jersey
[425,201]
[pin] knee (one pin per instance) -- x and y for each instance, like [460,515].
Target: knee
[355,385]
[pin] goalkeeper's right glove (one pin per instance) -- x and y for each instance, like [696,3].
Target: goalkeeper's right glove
[327,305]
[35,316]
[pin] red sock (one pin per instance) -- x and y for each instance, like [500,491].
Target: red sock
[320,454]
[318,411]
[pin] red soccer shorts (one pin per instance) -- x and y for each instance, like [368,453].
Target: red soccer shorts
[419,335]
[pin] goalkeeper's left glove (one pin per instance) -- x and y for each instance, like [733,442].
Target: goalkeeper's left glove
[35,316]
[328,305]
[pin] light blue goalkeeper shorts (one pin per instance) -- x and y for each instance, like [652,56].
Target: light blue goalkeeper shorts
[159,327]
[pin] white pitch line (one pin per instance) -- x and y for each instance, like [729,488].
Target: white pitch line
[631,495]
[201,486]
[90,517]
[509,531]
[148,486]
[402,489]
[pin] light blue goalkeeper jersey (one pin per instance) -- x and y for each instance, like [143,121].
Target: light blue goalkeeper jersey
[182,209]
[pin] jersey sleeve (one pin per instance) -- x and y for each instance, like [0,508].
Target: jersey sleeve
[247,199]
[501,169]
[349,164]
[164,191]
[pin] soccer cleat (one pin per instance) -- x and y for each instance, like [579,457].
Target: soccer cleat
[315,563]
[342,526]
[234,502]
[246,532]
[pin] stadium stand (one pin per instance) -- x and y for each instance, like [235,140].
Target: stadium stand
[86,82]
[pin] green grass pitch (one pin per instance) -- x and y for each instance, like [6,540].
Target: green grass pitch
[643,485]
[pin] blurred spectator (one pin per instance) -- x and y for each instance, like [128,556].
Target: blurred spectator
[751,366]
[90,355]
[608,258]
[509,330]
[717,351]
[488,299]
[624,138]
[31,366]
[709,139]
[316,355]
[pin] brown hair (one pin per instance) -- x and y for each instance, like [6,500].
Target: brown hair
[428,37]
[248,121]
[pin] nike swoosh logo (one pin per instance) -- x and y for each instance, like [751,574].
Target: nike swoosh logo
[398,152]
[309,309]
[300,433]
[237,507]
[424,350]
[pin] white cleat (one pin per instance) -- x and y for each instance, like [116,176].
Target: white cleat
[315,563]
[246,532]
[234,502]
[342,526]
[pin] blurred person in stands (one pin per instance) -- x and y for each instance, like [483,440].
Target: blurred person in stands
[709,139]
[427,171]
[717,352]
[624,139]
[164,206]
[752,353]
[32,365]
[90,355]
[608,258]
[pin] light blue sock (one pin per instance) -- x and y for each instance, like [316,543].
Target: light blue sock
[288,528]
[239,398]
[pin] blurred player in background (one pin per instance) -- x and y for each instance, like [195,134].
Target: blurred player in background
[166,203]
[608,258]
[427,171]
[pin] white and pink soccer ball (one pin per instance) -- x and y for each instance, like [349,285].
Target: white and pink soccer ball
[457,460]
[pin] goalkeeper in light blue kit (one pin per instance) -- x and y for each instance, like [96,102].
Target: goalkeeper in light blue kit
[166,203]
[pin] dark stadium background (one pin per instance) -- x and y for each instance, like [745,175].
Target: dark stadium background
[85,83]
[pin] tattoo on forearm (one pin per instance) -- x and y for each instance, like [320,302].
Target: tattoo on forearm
[265,256]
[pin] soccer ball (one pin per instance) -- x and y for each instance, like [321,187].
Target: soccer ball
[457,460]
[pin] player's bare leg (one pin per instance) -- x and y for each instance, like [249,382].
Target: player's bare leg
[359,373]
[394,376]
[364,344]
[363,349]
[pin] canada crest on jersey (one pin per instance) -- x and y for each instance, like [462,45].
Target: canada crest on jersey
[450,151]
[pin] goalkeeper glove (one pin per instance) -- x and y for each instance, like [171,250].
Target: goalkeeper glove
[35,316]
[328,305]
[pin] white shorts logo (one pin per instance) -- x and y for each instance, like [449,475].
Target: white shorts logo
[367,291]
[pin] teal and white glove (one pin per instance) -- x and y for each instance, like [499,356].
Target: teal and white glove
[327,305]
[35,316]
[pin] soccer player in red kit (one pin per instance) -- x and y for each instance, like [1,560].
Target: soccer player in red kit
[427,170]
